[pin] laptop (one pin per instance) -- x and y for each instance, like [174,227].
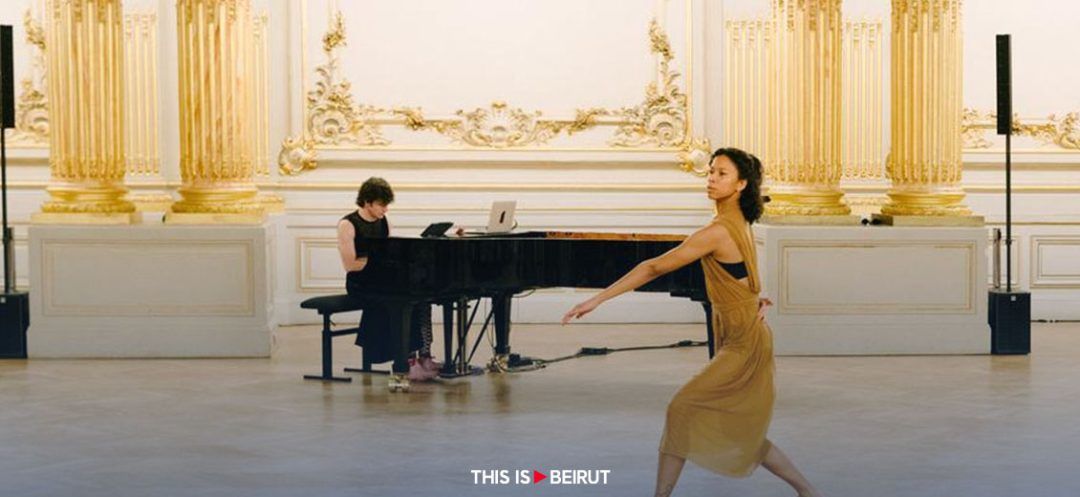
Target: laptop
[500,220]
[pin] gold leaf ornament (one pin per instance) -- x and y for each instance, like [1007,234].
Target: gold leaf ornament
[297,155]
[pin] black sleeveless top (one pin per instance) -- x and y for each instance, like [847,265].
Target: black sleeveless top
[737,270]
[365,230]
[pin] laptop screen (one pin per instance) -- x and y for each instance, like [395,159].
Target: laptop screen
[501,219]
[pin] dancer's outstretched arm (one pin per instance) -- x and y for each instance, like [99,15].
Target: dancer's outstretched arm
[704,241]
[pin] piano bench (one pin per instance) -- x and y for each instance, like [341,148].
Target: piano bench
[327,306]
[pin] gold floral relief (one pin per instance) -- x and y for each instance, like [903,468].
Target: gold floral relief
[499,126]
[695,159]
[297,155]
[1062,132]
[334,118]
[973,127]
[661,120]
[32,107]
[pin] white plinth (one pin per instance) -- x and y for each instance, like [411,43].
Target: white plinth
[150,291]
[875,290]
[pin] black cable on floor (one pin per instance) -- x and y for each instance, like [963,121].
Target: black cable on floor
[595,351]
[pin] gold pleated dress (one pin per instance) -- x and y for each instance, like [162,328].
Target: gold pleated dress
[719,419]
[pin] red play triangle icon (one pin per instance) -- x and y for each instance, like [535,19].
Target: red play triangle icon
[538,477]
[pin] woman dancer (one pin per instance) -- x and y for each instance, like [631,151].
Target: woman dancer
[719,419]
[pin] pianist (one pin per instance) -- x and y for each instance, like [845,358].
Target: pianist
[369,221]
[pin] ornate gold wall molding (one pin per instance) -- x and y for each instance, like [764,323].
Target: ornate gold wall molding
[499,126]
[1063,132]
[662,119]
[695,159]
[333,118]
[32,107]
[973,125]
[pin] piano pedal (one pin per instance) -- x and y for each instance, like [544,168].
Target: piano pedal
[398,383]
[514,363]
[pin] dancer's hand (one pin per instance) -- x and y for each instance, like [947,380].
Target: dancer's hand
[763,304]
[578,311]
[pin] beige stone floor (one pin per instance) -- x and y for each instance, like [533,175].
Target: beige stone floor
[858,426]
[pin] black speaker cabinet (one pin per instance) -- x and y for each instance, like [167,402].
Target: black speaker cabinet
[7,79]
[1010,322]
[1004,84]
[14,320]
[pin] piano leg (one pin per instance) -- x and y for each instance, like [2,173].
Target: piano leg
[448,337]
[462,367]
[709,328]
[401,323]
[500,305]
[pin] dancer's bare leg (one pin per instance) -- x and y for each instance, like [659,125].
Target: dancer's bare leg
[668,470]
[778,464]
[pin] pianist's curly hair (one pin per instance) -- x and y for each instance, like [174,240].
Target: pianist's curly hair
[751,202]
[375,190]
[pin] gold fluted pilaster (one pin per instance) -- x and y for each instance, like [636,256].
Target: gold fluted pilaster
[924,163]
[803,146]
[216,50]
[86,89]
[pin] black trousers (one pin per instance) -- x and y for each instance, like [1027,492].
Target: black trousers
[377,338]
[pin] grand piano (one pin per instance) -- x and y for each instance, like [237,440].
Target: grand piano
[451,271]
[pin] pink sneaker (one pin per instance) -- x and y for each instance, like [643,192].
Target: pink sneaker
[417,371]
[429,364]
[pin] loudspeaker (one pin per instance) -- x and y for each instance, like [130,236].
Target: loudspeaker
[14,320]
[1010,322]
[7,79]
[1004,85]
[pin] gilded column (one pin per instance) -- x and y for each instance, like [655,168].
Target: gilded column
[803,144]
[924,163]
[216,56]
[86,90]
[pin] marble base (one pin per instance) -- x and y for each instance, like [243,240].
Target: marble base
[840,220]
[150,291]
[204,218]
[972,221]
[875,289]
[83,218]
